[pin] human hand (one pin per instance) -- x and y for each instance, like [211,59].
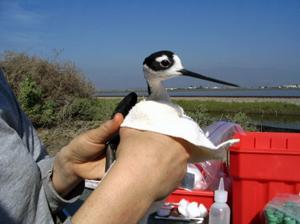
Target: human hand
[148,167]
[84,156]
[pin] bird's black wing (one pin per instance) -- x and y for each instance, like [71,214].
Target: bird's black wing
[123,107]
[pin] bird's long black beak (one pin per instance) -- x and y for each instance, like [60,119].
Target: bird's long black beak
[198,76]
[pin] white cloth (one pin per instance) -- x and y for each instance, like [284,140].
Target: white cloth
[170,119]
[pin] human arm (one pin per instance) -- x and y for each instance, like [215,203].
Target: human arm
[148,167]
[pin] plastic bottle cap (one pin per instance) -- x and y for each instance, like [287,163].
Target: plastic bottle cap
[220,194]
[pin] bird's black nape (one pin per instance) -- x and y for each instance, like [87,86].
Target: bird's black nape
[149,89]
[155,65]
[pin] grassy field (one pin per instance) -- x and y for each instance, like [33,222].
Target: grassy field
[262,110]
[85,114]
[270,108]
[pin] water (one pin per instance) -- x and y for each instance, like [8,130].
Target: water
[216,93]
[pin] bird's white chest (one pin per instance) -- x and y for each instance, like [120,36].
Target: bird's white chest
[149,110]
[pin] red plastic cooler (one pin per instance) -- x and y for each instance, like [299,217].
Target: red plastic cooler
[262,165]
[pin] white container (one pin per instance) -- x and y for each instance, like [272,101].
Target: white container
[219,212]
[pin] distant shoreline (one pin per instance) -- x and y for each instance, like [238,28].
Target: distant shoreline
[289,99]
[220,93]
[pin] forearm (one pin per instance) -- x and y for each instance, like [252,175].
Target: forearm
[123,196]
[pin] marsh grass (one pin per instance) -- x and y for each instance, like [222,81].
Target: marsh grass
[82,114]
[256,108]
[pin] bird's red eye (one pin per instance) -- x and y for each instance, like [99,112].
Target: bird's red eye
[165,63]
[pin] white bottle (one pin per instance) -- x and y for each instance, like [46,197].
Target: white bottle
[219,212]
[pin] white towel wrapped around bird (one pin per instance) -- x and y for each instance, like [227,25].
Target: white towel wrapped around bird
[170,119]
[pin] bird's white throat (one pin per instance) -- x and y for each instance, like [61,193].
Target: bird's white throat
[158,91]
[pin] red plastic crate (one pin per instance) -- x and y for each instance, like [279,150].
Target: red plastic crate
[204,197]
[262,165]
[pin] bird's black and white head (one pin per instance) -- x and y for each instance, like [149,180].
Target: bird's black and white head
[163,65]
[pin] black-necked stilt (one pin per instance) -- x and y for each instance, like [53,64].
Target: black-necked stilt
[164,65]
[157,113]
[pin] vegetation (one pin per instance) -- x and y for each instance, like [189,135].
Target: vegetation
[89,109]
[59,101]
[262,108]
[44,87]
[83,114]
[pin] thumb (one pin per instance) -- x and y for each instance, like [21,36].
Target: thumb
[103,133]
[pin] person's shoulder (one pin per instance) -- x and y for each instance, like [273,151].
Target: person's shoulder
[5,90]
[9,109]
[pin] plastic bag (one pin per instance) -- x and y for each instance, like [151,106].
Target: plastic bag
[193,179]
[207,174]
[284,208]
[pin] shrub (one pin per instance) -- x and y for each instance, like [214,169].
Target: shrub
[41,112]
[30,95]
[78,108]
[105,108]
[243,120]
[57,80]
[201,116]
[44,87]
[88,109]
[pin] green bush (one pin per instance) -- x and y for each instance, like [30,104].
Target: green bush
[57,79]
[30,95]
[41,112]
[44,87]
[201,116]
[78,108]
[48,116]
[88,109]
[105,108]
[243,120]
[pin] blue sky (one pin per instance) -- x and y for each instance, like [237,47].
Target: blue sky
[250,43]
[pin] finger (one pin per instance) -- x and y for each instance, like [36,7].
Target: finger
[103,133]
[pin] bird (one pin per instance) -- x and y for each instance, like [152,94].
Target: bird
[158,114]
